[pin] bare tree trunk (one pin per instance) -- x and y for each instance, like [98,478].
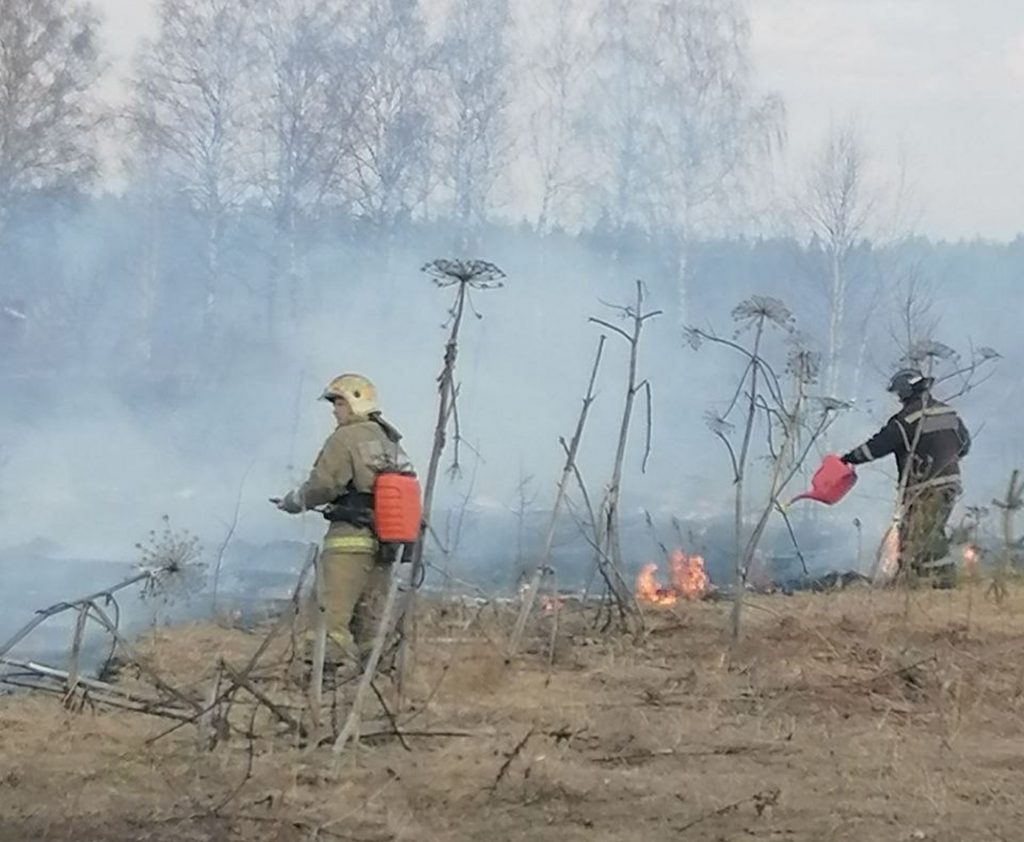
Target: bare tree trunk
[837,306]
[150,276]
[212,290]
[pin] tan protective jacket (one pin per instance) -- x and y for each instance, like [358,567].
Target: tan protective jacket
[350,460]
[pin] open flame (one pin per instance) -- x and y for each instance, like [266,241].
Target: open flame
[650,590]
[970,559]
[689,580]
[550,604]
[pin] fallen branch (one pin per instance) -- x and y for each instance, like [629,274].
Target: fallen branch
[717,751]
[510,759]
[389,716]
[244,683]
[149,707]
[760,800]
[100,615]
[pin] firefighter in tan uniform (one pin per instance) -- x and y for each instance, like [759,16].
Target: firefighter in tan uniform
[340,486]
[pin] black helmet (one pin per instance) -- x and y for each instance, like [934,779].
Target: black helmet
[908,383]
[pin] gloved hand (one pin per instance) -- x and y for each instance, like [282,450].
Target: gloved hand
[287,503]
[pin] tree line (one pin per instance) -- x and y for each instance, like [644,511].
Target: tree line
[264,144]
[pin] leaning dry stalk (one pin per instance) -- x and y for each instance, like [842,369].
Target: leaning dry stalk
[446,396]
[44,614]
[549,540]
[353,722]
[316,682]
[464,276]
[76,648]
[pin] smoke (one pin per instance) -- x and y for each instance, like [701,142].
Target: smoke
[99,448]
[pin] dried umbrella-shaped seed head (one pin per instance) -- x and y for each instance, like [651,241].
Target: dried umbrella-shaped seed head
[477,274]
[763,307]
[172,561]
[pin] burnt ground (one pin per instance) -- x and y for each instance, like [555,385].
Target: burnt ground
[858,715]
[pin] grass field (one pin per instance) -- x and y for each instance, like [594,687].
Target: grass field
[856,715]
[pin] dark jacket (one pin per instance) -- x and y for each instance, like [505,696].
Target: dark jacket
[928,439]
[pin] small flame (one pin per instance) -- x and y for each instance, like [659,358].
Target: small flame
[648,589]
[551,604]
[689,580]
[688,575]
[970,558]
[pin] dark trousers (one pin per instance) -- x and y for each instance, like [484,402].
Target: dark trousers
[923,539]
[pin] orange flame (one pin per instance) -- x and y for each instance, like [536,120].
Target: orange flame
[689,580]
[648,589]
[688,575]
[551,604]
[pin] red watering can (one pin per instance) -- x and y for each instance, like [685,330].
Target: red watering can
[830,482]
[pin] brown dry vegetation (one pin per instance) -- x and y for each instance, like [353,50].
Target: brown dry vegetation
[847,716]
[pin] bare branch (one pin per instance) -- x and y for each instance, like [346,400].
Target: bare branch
[617,330]
[647,442]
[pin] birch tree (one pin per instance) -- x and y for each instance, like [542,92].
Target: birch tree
[558,67]
[49,65]
[837,207]
[193,103]
[311,94]
[713,128]
[475,65]
[678,125]
[393,130]
[622,128]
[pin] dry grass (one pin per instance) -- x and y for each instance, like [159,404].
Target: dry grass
[848,716]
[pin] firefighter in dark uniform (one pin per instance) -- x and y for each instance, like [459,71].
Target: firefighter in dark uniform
[928,439]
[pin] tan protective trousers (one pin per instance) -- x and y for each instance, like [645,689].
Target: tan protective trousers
[355,581]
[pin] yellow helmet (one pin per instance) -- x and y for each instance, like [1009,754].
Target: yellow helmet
[358,392]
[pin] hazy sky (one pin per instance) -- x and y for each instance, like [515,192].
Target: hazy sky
[937,83]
